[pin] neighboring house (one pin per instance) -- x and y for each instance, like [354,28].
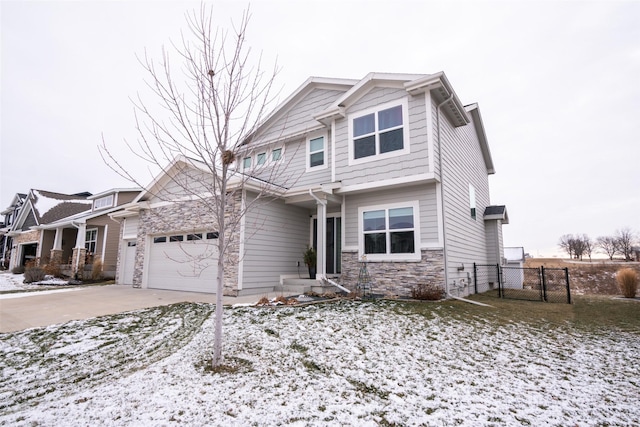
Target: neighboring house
[30,243]
[9,217]
[97,236]
[392,168]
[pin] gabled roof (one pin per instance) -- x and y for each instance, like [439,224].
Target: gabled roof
[18,200]
[303,90]
[48,206]
[496,212]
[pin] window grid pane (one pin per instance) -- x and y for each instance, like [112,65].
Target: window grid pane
[316,144]
[276,154]
[364,147]
[316,159]
[364,125]
[391,141]
[261,159]
[390,118]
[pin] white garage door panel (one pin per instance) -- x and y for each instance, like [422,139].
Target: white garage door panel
[184,266]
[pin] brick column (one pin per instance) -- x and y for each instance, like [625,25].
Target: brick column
[77,262]
[56,256]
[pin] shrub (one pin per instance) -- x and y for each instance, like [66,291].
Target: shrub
[627,279]
[96,269]
[18,270]
[53,269]
[427,292]
[33,274]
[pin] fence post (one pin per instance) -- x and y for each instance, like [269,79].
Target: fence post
[500,291]
[544,284]
[475,277]
[566,276]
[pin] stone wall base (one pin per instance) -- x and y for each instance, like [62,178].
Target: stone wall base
[395,278]
[78,261]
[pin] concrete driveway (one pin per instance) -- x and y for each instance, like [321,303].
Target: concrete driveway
[20,311]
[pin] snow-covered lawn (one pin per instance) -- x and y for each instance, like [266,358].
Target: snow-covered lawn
[345,363]
[15,282]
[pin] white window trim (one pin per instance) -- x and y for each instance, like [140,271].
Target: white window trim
[86,242]
[268,158]
[110,204]
[417,256]
[311,137]
[405,132]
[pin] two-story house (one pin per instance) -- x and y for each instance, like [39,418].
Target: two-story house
[391,169]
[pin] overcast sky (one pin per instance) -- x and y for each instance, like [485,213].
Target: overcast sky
[558,84]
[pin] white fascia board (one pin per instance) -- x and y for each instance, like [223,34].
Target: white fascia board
[370,81]
[424,178]
[435,81]
[474,110]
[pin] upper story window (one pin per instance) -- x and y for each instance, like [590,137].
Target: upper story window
[103,202]
[390,232]
[264,158]
[246,163]
[316,148]
[379,132]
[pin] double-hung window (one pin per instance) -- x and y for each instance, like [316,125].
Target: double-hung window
[390,232]
[381,132]
[316,149]
[90,240]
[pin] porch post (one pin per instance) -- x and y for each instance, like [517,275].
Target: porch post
[57,241]
[322,235]
[79,252]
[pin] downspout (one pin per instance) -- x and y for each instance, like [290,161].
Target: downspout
[444,219]
[444,228]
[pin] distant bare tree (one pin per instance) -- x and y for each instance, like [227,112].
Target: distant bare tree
[608,245]
[578,247]
[566,244]
[209,106]
[624,241]
[587,244]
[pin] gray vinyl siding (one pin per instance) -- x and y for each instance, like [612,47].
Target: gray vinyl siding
[275,237]
[187,182]
[463,164]
[416,162]
[425,194]
[300,116]
[291,171]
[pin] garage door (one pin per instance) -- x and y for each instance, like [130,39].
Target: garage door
[184,262]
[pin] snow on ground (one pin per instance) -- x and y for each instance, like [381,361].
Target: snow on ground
[15,282]
[346,363]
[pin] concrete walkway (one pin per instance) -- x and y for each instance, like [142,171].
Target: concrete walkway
[20,311]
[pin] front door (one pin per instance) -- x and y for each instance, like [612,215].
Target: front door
[333,241]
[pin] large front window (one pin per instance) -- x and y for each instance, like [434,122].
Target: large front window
[390,230]
[378,132]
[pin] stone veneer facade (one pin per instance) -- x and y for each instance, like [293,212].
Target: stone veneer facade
[187,217]
[395,278]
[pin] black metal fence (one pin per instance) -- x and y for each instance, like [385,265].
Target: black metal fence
[532,284]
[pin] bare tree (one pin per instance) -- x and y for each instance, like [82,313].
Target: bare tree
[624,242]
[209,107]
[587,244]
[566,244]
[608,245]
